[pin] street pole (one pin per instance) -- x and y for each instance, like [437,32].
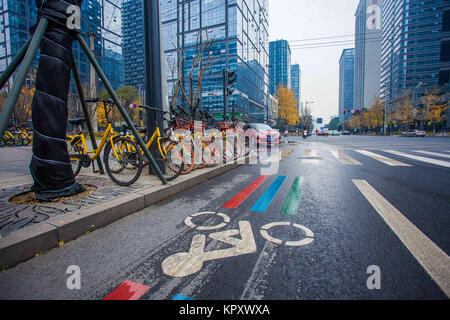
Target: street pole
[225,93]
[153,70]
[92,84]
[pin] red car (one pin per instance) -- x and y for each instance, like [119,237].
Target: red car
[262,133]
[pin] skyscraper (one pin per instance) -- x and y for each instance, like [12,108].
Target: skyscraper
[346,83]
[240,32]
[101,18]
[280,65]
[368,34]
[411,46]
[296,80]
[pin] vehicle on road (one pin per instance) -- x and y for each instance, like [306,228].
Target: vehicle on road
[414,133]
[324,132]
[335,133]
[262,133]
[345,133]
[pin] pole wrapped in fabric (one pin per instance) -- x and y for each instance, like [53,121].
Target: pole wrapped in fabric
[50,165]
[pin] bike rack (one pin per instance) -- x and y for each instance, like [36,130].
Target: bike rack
[25,58]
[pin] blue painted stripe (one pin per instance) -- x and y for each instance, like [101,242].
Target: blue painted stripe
[263,203]
[181,297]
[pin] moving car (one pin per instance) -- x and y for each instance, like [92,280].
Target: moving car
[263,133]
[334,133]
[414,133]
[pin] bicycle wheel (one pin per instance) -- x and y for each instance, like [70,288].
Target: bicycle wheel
[123,161]
[188,158]
[74,151]
[25,141]
[173,162]
[17,140]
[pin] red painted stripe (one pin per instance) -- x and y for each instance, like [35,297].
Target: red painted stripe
[128,290]
[244,194]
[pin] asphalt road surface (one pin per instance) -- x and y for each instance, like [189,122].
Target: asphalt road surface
[341,218]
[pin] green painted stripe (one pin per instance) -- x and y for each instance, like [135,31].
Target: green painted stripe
[292,202]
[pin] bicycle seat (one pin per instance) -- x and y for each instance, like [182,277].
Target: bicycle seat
[139,129]
[77,121]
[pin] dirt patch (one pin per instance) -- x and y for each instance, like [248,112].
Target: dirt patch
[29,198]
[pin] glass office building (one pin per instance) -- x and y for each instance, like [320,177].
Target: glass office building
[368,34]
[99,17]
[240,32]
[295,80]
[280,65]
[346,83]
[411,46]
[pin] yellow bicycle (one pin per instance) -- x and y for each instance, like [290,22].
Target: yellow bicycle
[121,157]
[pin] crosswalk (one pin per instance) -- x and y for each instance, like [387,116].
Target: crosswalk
[401,158]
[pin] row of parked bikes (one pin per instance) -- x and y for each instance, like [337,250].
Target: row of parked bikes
[181,146]
[16,137]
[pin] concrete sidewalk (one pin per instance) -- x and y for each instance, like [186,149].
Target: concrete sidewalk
[27,230]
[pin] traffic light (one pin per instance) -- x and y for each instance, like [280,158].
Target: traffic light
[229,80]
[344,111]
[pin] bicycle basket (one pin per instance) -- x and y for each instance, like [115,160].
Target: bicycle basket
[183,124]
[223,126]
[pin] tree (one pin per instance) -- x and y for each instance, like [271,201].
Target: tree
[306,121]
[286,106]
[334,123]
[200,65]
[436,106]
[376,114]
[404,112]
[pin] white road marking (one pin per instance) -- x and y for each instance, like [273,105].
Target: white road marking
[189,223]
[383,159]
[435,261]
[419,158]
[310,153]
[298,243]
[343,158]
[187,263]
[434,154]
[310,161]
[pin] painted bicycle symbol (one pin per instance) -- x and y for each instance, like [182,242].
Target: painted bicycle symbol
[187,263]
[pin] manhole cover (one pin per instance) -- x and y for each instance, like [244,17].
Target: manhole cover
[29,198]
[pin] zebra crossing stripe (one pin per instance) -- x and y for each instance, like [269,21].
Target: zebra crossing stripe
[343,158]
[434,154]
[418,158]
[244,194]
[266,199]
[383,159]
[292,202]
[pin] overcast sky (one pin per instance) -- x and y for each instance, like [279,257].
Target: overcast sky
[310,19]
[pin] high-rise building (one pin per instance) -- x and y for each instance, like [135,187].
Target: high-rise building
[280,65]
[444,72]
[133,43]
[411,46]
[368,34]
[240,33]
[346,83]
[100,18]
[296,74]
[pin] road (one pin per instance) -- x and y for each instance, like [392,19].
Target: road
[337,209]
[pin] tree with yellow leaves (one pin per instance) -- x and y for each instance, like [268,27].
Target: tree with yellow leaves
[436,106]
[376,114]
[287,106]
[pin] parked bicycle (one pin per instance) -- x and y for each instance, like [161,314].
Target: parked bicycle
[121,157]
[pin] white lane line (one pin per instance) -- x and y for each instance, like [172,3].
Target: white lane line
[434,154]
[383,159]
[435,261]
[419,158]
[343,158]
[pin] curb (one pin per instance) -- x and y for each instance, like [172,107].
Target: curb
[26,243]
